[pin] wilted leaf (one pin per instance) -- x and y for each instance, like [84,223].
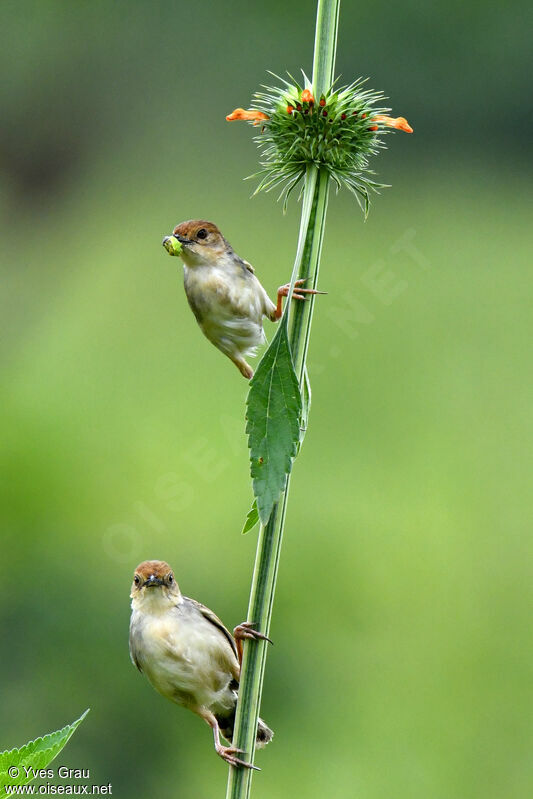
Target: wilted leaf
[34,755]
[274,409]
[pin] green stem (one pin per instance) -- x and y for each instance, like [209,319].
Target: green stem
[327,25]
[307,262]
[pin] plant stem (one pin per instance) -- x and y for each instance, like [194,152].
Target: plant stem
[314,206]
[327,26]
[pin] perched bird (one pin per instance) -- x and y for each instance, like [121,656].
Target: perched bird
[227,299]
[187,654]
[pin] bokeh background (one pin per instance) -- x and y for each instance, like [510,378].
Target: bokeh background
[402,658]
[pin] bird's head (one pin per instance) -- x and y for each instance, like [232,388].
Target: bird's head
[197,241]
[154,583]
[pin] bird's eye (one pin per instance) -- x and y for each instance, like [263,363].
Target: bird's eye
[170,579]
[136,579]
[202,233]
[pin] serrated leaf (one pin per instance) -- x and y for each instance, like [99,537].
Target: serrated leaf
[251,519]
[274,408]
[35,754]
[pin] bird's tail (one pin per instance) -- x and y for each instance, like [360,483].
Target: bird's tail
[264,733]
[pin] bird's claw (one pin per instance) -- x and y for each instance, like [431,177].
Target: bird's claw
[227,754]
[298,292]
[310,291]
[246,630]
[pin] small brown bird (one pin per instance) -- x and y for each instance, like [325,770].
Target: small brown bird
[187,654]
[227,299]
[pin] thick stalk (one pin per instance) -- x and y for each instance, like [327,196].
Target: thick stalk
[327,26]
[270,536]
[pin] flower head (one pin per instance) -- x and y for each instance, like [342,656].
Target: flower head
[338,133]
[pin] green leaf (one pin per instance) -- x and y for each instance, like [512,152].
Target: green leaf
[34,755]
[274,408]
[306,405]
[252,518]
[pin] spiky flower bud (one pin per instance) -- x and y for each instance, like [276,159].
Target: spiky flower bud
[339,134]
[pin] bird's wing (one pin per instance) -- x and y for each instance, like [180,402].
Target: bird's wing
[135,661]
[213,618]
[133,650]
[248,266]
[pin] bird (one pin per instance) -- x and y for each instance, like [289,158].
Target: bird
[224,294]
[188,655]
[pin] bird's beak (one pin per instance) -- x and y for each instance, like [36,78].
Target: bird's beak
[172,245]
[152,581]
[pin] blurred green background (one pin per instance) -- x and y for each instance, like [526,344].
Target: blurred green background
[402,658]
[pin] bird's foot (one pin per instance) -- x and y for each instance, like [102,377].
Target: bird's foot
[228,753]
[246,630]
[299,293]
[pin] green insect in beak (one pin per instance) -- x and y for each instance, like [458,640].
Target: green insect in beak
[172,245]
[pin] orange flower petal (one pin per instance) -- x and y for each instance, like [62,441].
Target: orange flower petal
[249,116]
[307,97]
[399,122]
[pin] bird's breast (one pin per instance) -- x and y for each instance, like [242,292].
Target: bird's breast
[223,292]
[185,658]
